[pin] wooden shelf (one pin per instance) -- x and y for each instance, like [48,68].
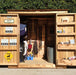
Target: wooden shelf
[8,24]
[64,23]
[8,49]
[63,34]
[8,34]
[65,14]
[67,62]
[8,64]
[66,47]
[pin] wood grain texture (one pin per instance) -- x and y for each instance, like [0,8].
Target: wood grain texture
[64,50]
[3,60]
[14,49]
[36,63]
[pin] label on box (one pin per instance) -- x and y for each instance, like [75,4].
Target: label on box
[9,29]
[13,41]
[9,21]
[4,41]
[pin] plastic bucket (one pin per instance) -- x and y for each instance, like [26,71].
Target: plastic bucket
[50,54]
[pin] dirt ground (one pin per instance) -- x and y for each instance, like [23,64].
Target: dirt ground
[6,71]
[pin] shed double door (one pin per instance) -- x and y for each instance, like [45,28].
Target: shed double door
[9,39]
[66,34]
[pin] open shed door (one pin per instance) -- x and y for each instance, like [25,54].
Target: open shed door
[9,39]
[66,39]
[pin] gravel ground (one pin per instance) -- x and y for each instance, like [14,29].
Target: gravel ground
[6,71]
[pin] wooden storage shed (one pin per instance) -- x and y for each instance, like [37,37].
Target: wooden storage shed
[54,28]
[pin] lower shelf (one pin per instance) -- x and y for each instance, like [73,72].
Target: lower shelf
[36,63]
[66,47]
[67,63]
[8,64]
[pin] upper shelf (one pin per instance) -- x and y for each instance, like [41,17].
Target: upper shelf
[64,23]
[8,24]
[66,47]
[67,62]
[62,34]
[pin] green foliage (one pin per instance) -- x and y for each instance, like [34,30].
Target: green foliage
[37,4]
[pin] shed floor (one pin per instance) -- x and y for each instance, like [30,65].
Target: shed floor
[36,63]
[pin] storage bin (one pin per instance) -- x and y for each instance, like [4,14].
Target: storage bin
[50,55]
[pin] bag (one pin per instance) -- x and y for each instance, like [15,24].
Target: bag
[22,29]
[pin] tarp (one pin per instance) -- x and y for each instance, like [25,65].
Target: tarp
[22,29]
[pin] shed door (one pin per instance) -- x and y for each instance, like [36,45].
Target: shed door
[9,39]
[66,33]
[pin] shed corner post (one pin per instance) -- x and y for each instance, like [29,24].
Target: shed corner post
[56,41]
